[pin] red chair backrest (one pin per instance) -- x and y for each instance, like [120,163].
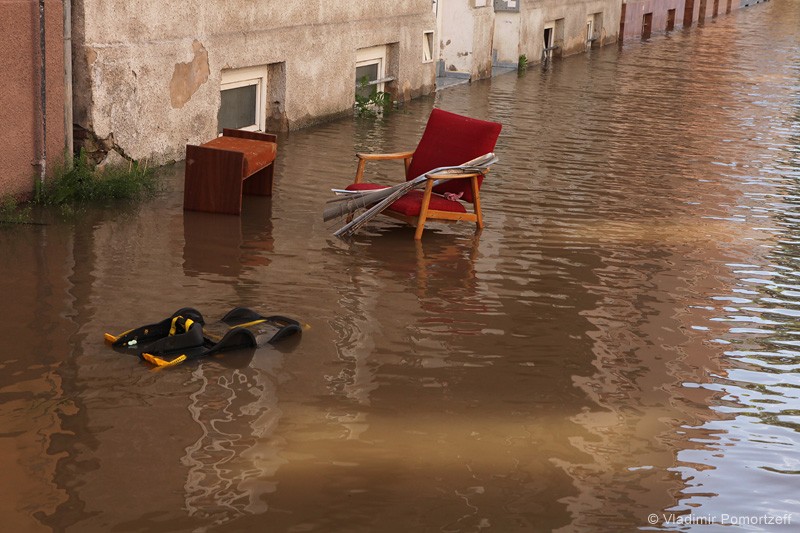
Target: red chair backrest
[450,139]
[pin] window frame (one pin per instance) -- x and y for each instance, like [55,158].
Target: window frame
[428,46]
[244,77]
[370,56]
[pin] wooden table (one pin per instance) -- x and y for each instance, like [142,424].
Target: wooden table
[220,171]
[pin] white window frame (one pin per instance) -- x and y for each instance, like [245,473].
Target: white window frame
[548,54]
[370,56]
[427,46]
[243,77]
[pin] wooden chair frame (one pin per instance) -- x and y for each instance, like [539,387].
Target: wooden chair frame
[425,213]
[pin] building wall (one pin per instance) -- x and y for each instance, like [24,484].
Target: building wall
[538,15]
[21,132]
[698,11]
[520,32]
[465,39]
[634,11]
[148,73]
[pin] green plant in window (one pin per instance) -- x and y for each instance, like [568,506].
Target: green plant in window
[369,101]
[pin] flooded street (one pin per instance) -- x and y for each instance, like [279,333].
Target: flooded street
[620,341]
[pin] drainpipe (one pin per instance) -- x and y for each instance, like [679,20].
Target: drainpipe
[68,140]
[43,93]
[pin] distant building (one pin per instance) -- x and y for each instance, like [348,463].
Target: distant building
[475,35]
[151,76]
[640,19]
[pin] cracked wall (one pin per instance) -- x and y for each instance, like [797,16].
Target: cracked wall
[149,74]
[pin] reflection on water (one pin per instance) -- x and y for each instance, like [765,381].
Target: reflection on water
[230,471]
[620,340]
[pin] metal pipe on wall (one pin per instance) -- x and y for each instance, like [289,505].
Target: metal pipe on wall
[43,92]
[68,139]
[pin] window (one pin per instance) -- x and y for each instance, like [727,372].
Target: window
[547,51]
[242,99]
[427,47]
[370,71]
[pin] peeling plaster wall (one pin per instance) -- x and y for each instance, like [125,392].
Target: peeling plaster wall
[148,73]
[465,43]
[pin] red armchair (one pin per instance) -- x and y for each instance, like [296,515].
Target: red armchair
[448,140]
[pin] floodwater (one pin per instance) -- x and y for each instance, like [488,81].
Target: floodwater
[619,349]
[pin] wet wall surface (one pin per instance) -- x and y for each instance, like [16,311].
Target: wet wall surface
[620,341]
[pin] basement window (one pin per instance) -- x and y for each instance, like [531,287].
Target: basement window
[242,99]
[371,71]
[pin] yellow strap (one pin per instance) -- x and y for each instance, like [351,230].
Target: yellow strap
[163,362]
[186,325]
[248,324]
[114,338]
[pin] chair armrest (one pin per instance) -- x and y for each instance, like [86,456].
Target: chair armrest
[381,157]
[363,158]
[453,176]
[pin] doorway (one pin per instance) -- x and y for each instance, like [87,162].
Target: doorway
[647,25]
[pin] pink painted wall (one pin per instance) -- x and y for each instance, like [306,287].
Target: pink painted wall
[634,12]
[20,125]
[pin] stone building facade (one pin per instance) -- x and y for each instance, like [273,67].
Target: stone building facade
[151,77]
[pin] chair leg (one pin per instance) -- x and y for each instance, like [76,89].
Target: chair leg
[360,171]
[423,210]
[477,202]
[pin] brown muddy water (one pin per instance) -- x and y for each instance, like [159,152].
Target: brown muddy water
[621,341]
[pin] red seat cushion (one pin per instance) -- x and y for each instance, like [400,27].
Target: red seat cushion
[257,154]
[450,139]
[410,203]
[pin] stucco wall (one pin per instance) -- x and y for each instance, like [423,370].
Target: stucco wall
[534,16]
[149,73]
[659,8]
[465,42]
[634,12]
[21,131]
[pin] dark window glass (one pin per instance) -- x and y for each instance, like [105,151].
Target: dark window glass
[371,74]
[237,108]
